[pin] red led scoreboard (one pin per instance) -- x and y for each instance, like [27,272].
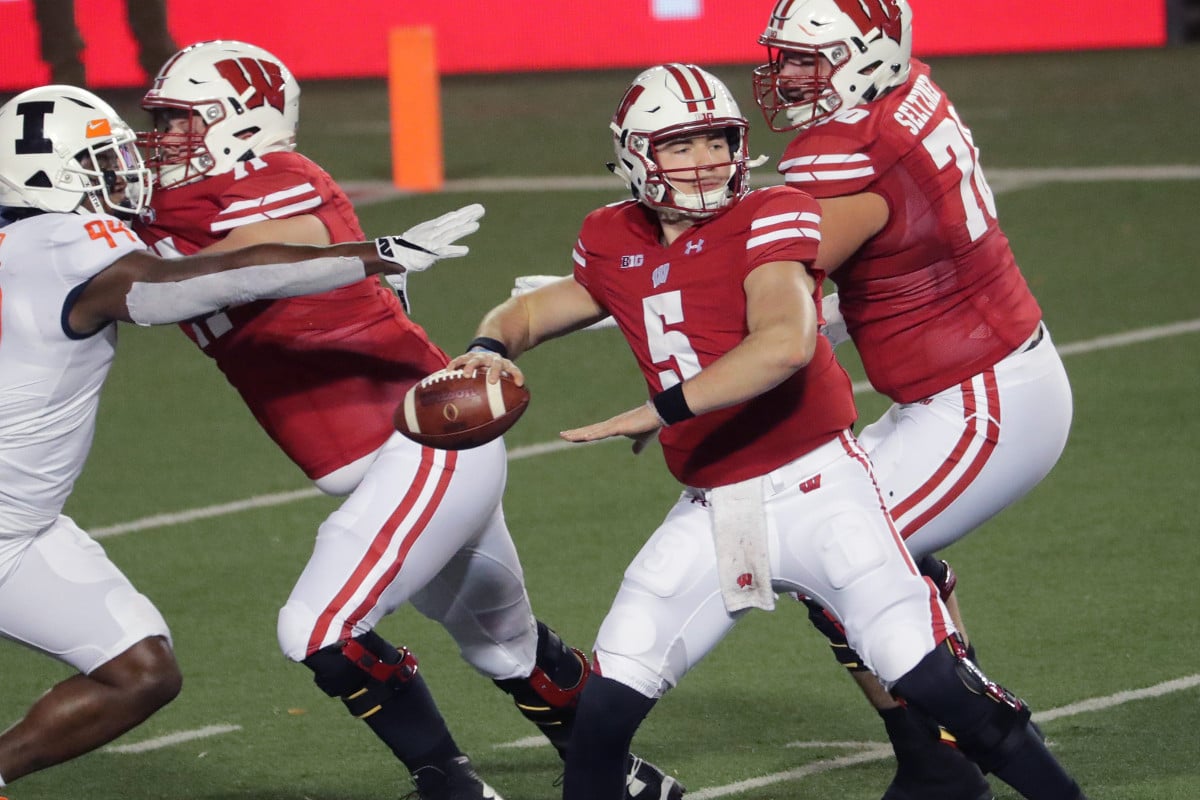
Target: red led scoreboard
[322,39]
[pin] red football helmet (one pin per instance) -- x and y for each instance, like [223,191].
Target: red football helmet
[240,101]
[828,55]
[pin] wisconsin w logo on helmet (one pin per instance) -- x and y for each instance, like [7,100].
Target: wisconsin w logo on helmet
[872,15]
[256,82]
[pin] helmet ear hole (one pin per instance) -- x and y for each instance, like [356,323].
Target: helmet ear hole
[39,180]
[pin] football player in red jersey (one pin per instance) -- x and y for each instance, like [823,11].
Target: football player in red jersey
[323,377]
[930,294]
[716,290]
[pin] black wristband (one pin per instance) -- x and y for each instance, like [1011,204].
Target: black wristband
[671,405]
[487,343]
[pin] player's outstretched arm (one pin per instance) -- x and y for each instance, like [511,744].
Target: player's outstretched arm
[525,321]
[143,288]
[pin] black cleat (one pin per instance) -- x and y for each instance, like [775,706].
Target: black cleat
[647,782]
[927,766]
[454,780]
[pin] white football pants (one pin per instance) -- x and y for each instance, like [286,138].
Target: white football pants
[829,537]
[425,526]
[950,462]
[60,594]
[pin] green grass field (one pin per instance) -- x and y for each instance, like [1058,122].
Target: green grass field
[1076,597]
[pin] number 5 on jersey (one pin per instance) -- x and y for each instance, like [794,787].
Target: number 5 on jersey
[659,311]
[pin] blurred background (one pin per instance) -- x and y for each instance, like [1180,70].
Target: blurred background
[322,39]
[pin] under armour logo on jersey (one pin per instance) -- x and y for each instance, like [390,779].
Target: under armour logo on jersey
[693,246]
[811,484]
[636,260]
[659,277]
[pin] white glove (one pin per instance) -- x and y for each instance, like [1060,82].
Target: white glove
[834,328]
[524,284]
[420,247]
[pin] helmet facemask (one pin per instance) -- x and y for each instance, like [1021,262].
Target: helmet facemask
[112,176]
[795,88]
[667,104]
[826,56]
[694,191]
[176,152]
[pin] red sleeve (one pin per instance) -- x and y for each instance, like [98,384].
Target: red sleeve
[838,158]
[784,226]
[273,188]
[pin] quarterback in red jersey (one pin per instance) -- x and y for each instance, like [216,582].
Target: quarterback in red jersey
[930,294]
[716,290]
[323,377]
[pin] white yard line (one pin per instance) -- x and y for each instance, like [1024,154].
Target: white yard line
[866,752]
[172,739]
[882,752]
[528,451]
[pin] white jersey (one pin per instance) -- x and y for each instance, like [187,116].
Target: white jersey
[50,378]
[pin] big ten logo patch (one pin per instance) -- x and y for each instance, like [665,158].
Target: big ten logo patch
[636,260]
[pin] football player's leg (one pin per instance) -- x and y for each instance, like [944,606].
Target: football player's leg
[399,528]
[480,598]
[991,725]
[925,768]
[667,615]
[64,598]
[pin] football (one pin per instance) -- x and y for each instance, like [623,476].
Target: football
[451,410]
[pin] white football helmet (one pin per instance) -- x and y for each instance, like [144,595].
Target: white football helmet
[60,145]
[240,100]
[668,102]
[866,47]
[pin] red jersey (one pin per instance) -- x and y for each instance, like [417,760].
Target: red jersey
[683,306]
[936,296]
[323,373]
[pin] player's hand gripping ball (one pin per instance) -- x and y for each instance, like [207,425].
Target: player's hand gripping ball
[451,410]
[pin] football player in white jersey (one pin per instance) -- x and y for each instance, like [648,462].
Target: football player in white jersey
[70,178]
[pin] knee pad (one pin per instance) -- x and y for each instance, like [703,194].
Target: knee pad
[549,696]
[366,672]
[832,630]
[987,720]
[940,573]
